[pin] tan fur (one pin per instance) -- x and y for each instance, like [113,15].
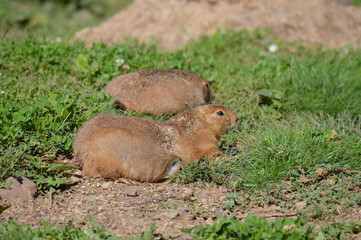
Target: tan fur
[159,92]
[112,146]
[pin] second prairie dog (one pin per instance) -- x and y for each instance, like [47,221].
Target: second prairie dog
[159,92]
[118,147]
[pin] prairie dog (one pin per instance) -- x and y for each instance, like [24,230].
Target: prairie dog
[159,92]
[116,147]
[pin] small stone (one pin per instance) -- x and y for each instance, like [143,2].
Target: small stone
[188,192]
[175,189]
[172,196]
[185,210]
[77,173]
[301,205]
[21,189]
[88,198]
[130,192]
[75,180]
[173,214]
[125,67]
[218,210]
[107,185]
[204,195]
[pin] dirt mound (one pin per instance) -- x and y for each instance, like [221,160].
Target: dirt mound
[174,22]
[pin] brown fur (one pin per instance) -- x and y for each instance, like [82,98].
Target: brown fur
[159,92]
[112,146]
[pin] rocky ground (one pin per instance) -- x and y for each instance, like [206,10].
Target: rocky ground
[128,210]
[171,207]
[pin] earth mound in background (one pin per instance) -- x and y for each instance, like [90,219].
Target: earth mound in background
[175,22]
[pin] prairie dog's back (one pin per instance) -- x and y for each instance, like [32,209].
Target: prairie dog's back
[158,92]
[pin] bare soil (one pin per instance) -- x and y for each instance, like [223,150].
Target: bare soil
[128,210]
[175,22]
[125,210]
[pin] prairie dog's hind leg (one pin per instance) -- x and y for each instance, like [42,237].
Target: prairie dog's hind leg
[172,169]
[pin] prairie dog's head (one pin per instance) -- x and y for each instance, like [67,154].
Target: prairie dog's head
[218,117]
[198,81]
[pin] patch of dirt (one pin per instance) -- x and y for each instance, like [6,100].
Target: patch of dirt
[175,22]
[128,210]
[124,210]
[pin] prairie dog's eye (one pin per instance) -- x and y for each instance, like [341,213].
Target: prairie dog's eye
[206,85]
[220,113]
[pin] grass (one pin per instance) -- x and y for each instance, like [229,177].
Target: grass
[41,18]
[278,137]
[254,228]
[15,231]
[290,103]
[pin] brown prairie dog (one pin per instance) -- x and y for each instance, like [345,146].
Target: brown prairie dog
[159,92]
[116,147]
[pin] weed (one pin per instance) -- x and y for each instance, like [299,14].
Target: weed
[12,230]
[254,227]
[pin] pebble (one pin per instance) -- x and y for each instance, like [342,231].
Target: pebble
[130,192]
[88,198]
[171,196]
[77,172]
[173,214]
[188,192]
[107,185]
[185,210]
[75,180]
[125,67]
[204,195]
[22,189]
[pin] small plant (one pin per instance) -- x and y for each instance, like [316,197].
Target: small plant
[256,228]
[253,227]
[14,231]
[232,201]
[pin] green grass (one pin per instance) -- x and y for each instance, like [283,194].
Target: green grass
[357,2]
[255,228]
[288,103]
[55,19]
[15,231]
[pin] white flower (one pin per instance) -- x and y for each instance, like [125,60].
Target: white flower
[2,92]
[273,48]
[120,62]
[58,39]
